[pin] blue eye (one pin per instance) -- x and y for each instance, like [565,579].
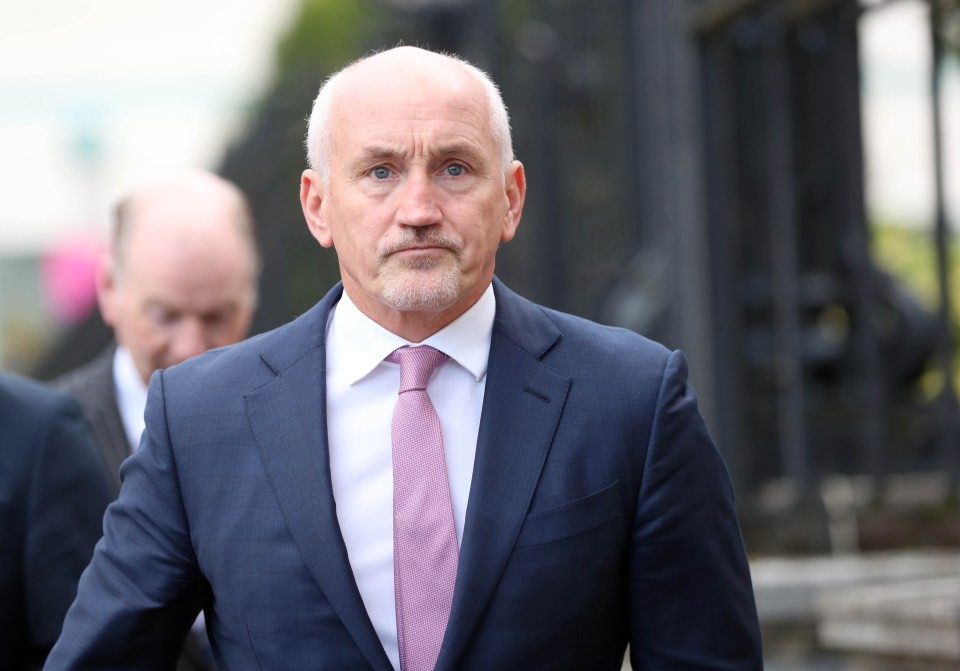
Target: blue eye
[380,172]
[454,169]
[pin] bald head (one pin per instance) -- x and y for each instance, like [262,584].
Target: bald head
[182,273]
[188,207]
[402,66]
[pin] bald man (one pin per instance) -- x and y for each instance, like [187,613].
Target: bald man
[180,278]
[424,471]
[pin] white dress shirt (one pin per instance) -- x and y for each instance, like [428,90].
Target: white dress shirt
[131,395]
[361,393]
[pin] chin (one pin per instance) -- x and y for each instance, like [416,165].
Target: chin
[422,293]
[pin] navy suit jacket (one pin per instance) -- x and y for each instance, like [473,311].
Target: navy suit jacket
[600,514]
[53,491]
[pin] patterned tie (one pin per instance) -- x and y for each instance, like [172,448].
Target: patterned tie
[424,536]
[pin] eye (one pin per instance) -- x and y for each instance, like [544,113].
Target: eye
[162,316]
[213,319]
[454,169]
[380,172]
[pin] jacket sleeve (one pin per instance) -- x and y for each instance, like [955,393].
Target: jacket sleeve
[140,594]
[691,599]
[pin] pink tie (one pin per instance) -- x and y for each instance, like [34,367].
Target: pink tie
[424,536]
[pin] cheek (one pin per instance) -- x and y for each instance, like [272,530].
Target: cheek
[151,338]
[230,331]
[359,238]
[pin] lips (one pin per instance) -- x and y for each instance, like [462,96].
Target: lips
[420,247]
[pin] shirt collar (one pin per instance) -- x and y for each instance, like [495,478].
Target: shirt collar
[125,375]
[365,343]
[131,394]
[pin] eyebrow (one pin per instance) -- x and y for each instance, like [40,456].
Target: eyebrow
[464,149]
[377,153]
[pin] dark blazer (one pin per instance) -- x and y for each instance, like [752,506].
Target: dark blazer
[600,514]
[53,491]
[92,384]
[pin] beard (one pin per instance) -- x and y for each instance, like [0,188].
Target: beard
[421,283]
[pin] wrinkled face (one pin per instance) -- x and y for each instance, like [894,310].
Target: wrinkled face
[178,295]
[417,201]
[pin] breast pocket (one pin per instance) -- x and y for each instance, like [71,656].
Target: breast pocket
[571,519]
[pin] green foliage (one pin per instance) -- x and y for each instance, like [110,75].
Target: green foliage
[909,254]
[328,34]
[947,18]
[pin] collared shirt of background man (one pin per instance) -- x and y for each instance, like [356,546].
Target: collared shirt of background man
[582,507]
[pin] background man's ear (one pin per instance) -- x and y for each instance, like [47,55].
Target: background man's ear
[106,284]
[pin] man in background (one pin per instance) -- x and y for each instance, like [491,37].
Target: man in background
[53,491]
[180,278]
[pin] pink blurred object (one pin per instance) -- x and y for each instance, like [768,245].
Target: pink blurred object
[69,272]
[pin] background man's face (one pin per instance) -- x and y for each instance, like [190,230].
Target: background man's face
[181,291]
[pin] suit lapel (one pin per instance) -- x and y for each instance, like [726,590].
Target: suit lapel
[94,387]
[288,419]
[522,405]
[105,419]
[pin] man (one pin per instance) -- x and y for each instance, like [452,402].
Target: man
[289,485]
[180,279]
[53,491]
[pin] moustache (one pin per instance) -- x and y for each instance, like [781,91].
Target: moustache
[420,239]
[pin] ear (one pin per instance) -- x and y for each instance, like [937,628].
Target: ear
[311,200]
[106,284]
[516,192]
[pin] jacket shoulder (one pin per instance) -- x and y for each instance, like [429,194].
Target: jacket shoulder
[89,378]
[561,335]
[23,397]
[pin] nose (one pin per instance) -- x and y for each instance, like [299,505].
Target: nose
[188,340]
[418,204]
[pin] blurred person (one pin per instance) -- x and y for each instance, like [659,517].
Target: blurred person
[53,491]
[425,470]
[180,278]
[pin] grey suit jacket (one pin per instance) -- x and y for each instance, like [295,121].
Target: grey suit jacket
[92,385]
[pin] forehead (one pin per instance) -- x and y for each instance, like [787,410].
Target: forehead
[182,262]
[394,104]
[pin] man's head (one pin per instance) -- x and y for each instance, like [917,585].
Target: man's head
[413,181]
[182,271]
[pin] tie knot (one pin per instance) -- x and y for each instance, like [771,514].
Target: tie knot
[416,365]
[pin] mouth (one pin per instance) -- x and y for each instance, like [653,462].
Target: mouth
[420,248]
[417,249]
